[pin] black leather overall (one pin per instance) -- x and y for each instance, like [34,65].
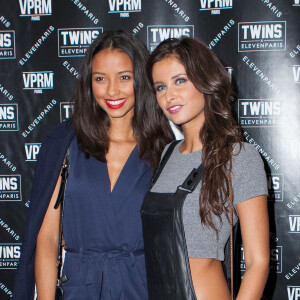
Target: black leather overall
[167,265]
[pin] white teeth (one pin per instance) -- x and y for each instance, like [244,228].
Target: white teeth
[116,102]
[174,107]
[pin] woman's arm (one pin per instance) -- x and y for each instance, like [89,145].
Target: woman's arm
[47,249]
[253,215]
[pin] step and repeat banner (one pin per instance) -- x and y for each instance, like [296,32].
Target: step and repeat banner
[42,43]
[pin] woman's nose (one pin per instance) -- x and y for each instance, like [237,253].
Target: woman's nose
[170,94]
[112,89]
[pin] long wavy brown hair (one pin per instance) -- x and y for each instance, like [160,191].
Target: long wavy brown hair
[91,122]
[219,133]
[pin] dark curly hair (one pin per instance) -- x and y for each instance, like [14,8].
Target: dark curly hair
[91,122]
[219,133]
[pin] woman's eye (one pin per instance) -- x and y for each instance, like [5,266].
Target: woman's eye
[125,77]
[99,78]
[159,88]
[180,80]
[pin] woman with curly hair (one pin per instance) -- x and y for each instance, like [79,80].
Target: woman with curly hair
[200,181]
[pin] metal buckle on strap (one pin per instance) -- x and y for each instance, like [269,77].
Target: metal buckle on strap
[192,180]
[182,189]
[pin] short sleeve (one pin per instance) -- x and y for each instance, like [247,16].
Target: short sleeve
[248,174]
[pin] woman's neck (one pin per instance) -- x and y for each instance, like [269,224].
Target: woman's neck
[192,142]
[121,130]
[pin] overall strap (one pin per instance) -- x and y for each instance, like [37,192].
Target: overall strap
[163,161]
[192,181]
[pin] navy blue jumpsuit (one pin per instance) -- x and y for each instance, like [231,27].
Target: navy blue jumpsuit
[102,230]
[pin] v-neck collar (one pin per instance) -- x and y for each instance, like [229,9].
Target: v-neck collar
[129,178]
[111,192]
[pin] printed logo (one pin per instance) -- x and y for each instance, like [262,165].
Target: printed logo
[7,44]
[124,7]
[156,33]
[65,110]
[242,261]
[275,187]
[296,3]
[10,188]
[259,112]
[32,150]
[296,73]
[275,259]
[294,222]
[215,5]
[35,8]
[9,255]
[293,292]
[9,120]
[229,70]
[262,36]
[74,42]
[38,81]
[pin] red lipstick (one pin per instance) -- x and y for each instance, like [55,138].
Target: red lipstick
[115,103]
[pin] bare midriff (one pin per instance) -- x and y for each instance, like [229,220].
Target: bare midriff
[208,279]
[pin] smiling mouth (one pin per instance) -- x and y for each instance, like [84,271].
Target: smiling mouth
[115,103]
[174,109]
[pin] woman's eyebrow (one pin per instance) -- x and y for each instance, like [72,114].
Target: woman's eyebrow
[125,71]
[178,75]
[102,73]
[171,78]
[156,82]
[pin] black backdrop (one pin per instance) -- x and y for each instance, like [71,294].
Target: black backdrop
[41,46]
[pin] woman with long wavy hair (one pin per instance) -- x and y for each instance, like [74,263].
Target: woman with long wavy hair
[200,181]
[111,155]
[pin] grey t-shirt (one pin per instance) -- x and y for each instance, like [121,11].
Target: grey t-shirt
[248,181]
